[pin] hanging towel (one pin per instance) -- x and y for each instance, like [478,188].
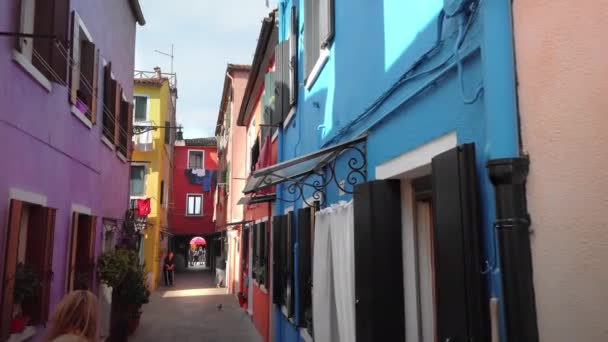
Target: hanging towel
[143,141]
[198,172]
[209,180]
[143,207]
[192,178]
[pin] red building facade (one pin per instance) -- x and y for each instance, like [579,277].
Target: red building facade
[194,185]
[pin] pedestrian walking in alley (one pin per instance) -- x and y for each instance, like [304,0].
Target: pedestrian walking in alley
[169,268]
[75,319]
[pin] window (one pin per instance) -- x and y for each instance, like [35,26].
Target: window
[109,103]
[162,193]
[255,154]
[195,159]
[167,132]
[81,262]
[260,253]
[46,59]
[284,286]
[138,180]
[286,74]
[141,108]
[30,238]
[318,33]
[83,73]
[124,126]
[194,204]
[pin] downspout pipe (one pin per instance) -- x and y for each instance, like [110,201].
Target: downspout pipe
[508,170]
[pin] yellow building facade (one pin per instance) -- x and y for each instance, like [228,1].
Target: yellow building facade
[154,106]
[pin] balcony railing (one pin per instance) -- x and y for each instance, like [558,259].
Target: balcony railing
[150,75]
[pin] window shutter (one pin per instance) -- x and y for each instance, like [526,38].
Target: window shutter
[277,285]
[72,252]
[281,84]
[39,256]
[290,279]
[380,313]
[293,58]
[311,35]
[43,47]
[124,126]
[286,80]
[268,104]
[304,261]
[88,70]
[255,252]
[326,22]
[107,115]
[117,92]
[459,296]
[90,267]
[129,130]
[264,252]
[75,55]
[61,26]
[167,132]
[10,265]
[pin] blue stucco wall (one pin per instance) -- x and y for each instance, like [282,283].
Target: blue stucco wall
[375,43]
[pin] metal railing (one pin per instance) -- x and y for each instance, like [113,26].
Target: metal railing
[148,75]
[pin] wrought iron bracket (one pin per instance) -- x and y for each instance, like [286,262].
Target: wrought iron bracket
[312,186]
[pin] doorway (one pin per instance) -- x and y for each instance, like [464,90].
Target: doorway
[81,265]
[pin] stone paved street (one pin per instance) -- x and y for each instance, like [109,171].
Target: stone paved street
[189,312]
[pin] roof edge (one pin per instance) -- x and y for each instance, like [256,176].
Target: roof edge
[137,12]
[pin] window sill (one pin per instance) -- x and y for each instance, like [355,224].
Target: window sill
[305,335]
[292,113]
[316,70]
[194,216]
[77,113]
[121,157]
[108,143]
[31,69]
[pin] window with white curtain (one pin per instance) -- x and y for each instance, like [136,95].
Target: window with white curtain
[194,205]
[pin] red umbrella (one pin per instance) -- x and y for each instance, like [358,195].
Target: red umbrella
[198,241]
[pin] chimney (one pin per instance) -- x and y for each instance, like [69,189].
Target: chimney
[179,137]
[157,72]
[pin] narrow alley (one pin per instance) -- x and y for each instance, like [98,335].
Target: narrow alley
[189,312]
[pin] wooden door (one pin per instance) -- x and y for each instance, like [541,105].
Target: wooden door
[71,272]
[10,266]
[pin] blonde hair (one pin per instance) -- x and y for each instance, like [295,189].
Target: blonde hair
[76,314]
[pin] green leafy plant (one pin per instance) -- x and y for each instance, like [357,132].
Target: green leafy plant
[26,283]
[113,267]
[133,290]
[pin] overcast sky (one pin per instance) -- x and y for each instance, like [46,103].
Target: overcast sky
[207,34]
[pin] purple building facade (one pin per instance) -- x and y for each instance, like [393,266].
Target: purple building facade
[65,118]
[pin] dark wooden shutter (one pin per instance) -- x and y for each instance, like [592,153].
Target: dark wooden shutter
[277,285]
[459,295]
[311,35]
[72,253]
[117,92]
[379,262]
[304,261]
[167,132]
[61,27]
[264,252]
[255,252]
[10,265]
[281,91]
[124,126]
[88,69]
[75,59]
[39,256]
[290,279]
[293,58]
[326,22]
[90,267]
[43,47]
[130,130]
[107,116]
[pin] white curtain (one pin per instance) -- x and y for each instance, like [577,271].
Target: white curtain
[334,275]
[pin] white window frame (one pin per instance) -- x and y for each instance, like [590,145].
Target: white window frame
[188,195]
[145,165]
[147,107]
[26,45]
[78,26]
[188,161]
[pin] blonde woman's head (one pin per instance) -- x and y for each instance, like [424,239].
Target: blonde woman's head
[76,314]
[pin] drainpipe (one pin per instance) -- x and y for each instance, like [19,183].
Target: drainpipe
[507,172]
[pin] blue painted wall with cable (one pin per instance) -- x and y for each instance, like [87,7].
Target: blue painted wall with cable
[406,73]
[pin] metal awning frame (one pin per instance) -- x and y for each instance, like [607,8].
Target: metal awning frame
[317,178]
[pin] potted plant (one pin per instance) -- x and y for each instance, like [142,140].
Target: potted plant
[119,270]
[26,285]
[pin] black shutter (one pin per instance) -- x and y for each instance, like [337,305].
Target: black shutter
[167,132]
[290,279]
[162,192]
[311,35]
[254,253]
[326,22]
[379,262]
[276,259]
[263,253]
[459,296]
[61,26]
[281,91]
[304,261]
[43,47]
[293,58]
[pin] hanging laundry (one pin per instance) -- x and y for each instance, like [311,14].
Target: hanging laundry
[143,141]
[192,178]
[209,180]
[143,207]
[198,172]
